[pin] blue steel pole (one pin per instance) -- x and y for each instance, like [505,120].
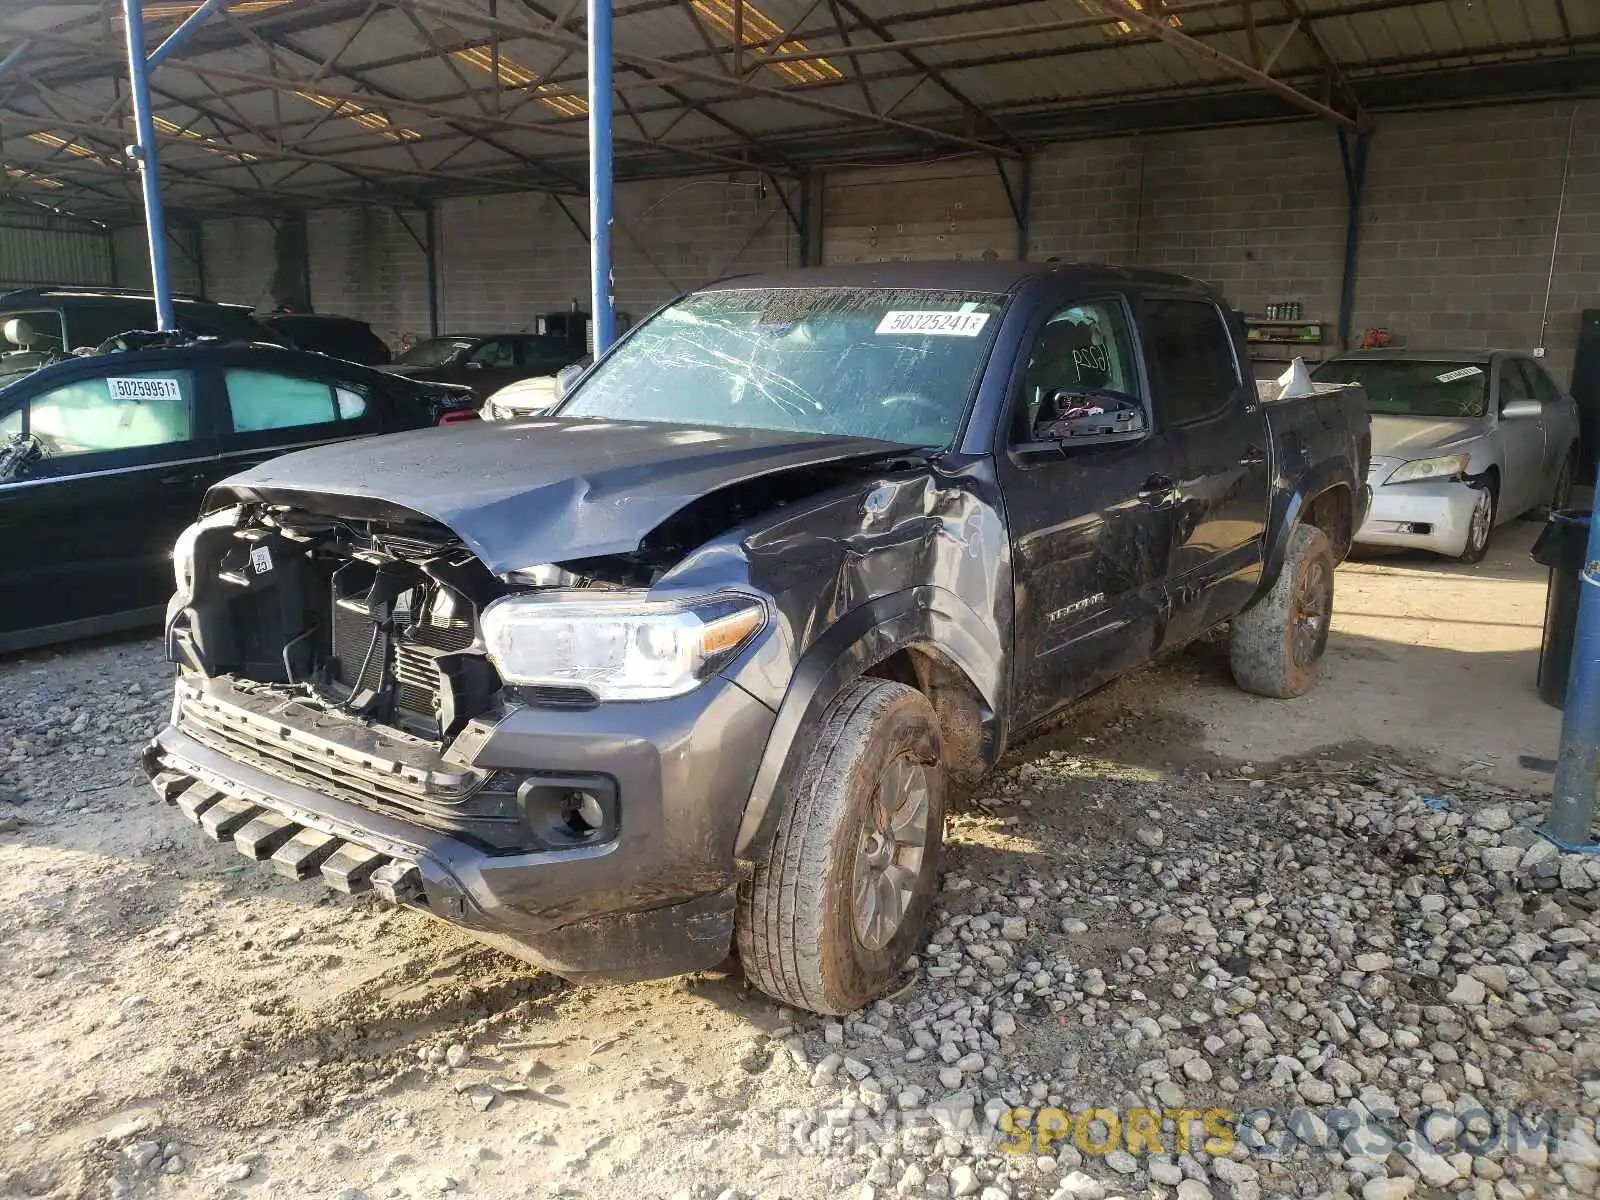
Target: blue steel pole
[1578,766]
[149,173]
[600,173]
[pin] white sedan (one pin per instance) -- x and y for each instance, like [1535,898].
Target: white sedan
[1461,443]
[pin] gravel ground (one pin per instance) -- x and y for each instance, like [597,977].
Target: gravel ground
[1262,976]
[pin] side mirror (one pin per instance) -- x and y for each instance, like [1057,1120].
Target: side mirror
[1521,410]
[566,377]
[1087,418]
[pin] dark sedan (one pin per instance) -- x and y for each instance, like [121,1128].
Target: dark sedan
[485,362]
[103,461]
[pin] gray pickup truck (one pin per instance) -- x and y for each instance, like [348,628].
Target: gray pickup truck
[686,666]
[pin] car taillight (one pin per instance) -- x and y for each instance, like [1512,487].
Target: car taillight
[457,416]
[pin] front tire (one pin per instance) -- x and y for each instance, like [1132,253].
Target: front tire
[832,912]
[1480,527]
[1275,646]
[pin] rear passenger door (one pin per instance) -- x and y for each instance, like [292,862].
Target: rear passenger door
[86,530]
[268,413]
[1207,407]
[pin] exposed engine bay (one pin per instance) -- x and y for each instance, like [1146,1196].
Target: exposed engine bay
[377,619]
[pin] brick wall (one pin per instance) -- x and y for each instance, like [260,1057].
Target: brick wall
[364,264]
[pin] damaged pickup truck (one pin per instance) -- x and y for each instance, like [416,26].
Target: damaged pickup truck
[688,666]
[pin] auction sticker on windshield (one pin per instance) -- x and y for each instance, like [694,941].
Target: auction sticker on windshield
[1461,373]
[942,324]
[143,388]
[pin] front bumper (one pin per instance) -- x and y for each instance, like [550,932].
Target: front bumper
[1420,516]
[653,899]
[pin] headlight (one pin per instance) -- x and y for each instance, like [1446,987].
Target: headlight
[183,548]
[619,647]
[1421,469]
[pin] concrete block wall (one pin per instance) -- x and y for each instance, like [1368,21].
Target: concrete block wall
[1455,252]
[239,260]
[504,259]
[365,264]
[131,253]
[1459,222]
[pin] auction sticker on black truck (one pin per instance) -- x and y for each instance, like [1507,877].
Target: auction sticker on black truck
[944,324]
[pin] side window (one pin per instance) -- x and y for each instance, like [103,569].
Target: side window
[117,412]
[261,400]
[95,322]
[1190,353]
[496,353]
[544,352]
[1513,383]
[1539,384]
[1084,347]
[32,332]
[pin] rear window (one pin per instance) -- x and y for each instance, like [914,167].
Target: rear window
[1414,387]
[1190,352]
[261,400]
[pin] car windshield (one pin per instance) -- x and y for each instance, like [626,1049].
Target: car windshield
[898,365]
[434,352]
[1414,387]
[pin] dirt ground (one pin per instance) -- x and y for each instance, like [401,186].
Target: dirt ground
[176,1023]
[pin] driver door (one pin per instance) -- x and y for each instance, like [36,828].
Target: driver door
[1522,443]
[1091,527]
[493,365]
[86,530]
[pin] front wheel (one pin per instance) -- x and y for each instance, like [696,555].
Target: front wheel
[1275,646]
[1480,526]
[832,912]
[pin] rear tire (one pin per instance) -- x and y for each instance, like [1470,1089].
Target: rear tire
[832,912]
[1275,646]
[1561,491]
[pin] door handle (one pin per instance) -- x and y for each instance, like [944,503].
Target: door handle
[1158,491]
[1253,456]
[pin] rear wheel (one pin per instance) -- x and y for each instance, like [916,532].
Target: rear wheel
[1561,491]
[831,914]
[1480,526]
[1275,646]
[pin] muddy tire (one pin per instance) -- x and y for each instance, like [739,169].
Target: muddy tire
[831,914]
[1481,527]
[1275,646]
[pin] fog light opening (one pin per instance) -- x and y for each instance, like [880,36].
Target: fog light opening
[581,813]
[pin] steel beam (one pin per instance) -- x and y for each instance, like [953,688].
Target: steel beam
[183,32]
[1336,74]
[600,175]
[795,96]
[149,169]
[1158,27]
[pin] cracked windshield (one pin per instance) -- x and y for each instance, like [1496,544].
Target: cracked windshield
[897,365]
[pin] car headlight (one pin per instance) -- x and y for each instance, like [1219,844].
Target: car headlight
[183,548]
[1418,470]
[620,646]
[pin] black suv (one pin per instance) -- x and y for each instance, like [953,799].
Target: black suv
[41,323]
[338,337]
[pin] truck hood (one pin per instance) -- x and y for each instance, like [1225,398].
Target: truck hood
[1422,437]
[525,493]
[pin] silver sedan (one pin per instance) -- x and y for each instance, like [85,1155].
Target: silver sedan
[1461,443]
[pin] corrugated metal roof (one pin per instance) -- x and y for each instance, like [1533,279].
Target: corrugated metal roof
[408,101]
